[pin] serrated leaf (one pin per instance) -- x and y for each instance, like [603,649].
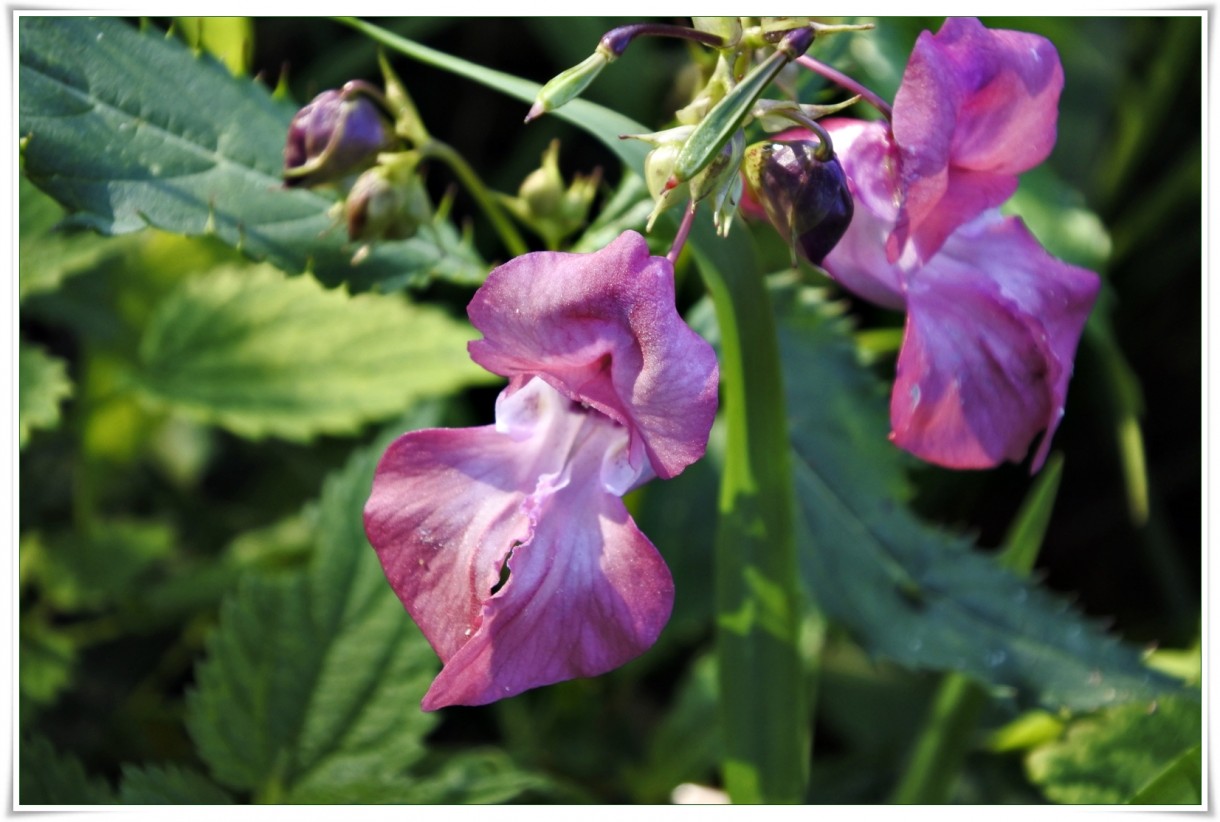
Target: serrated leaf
[48,777]
[483,777]
[169,785]
[264,355]
[311,688]
[127,129]
[48,252]
[92,568]
[44,384]
[907,591]
[1109,757]
[45,661]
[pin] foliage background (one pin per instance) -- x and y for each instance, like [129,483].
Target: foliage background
[168,553]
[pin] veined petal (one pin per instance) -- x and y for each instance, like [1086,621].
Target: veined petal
[602,328]
[992,326]
[976,107]
[586,591]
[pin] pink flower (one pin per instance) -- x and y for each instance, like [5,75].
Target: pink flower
[992,319]
[976,107]
[607,389]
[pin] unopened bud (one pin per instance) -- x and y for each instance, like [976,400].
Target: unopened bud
[805,198]
[340,132]
[567,85]
[386,203]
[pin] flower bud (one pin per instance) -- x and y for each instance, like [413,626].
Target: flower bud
[549,206]
[386,203]
[340,132]
[806,199]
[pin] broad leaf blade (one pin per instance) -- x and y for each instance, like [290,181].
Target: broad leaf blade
[261,354]
[50,778]
[127,129]
[907,591]
[48,254]
[311,688]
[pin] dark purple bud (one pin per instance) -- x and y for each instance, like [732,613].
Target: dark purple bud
[340,132]
[805,198]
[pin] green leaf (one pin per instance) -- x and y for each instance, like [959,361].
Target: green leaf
[263,355]
[44,384]
[113,128]
[1112,756]
[1179,784]
[48,252]
[50,778]
[907,591]
[482,777]
[169,785]
[89,569]
[230,39]
[46,658]
[311,688]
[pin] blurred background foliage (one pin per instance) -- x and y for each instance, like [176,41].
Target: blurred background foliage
[152,534]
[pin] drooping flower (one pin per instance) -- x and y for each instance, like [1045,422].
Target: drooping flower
[992,324]
[509,544]
[976,107]
[337,133]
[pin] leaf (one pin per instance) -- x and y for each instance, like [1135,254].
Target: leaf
[1179,784]
[169,785]
[264,355]
[44,384]
[908,592]
[46,660]
[127,129]
[48,252]
[50,778]
[88,570]
[311,688]
[1110,757]
[484,776]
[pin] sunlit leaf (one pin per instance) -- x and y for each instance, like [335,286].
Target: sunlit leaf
[113,128]
[1109,757]
[49,253]
[264,355]
[230,39]
[44,384]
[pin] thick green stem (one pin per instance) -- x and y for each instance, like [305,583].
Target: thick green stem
[504,227]
[764,696]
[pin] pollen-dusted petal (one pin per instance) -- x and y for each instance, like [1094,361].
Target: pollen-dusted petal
[602,328]
[976,107]
[586,591]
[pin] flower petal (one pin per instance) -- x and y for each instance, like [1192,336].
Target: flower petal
[976,107]
[602,328]
[992,327]
[586,591]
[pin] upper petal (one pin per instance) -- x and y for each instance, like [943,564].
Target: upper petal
[976,107]
[603,329]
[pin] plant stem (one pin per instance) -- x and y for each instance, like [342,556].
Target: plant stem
[764,695]
[675,250]
[437,150]
[938,754]
[841,79]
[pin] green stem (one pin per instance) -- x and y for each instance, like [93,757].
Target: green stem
[937,758]
[764,695]
[437,150]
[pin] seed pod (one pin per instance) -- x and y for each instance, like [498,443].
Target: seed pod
[806,199]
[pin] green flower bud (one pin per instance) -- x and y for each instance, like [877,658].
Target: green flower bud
[387,202]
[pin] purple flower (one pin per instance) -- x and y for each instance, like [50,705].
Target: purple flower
[337,133]
[976,107]
[992,322]
[509,544]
